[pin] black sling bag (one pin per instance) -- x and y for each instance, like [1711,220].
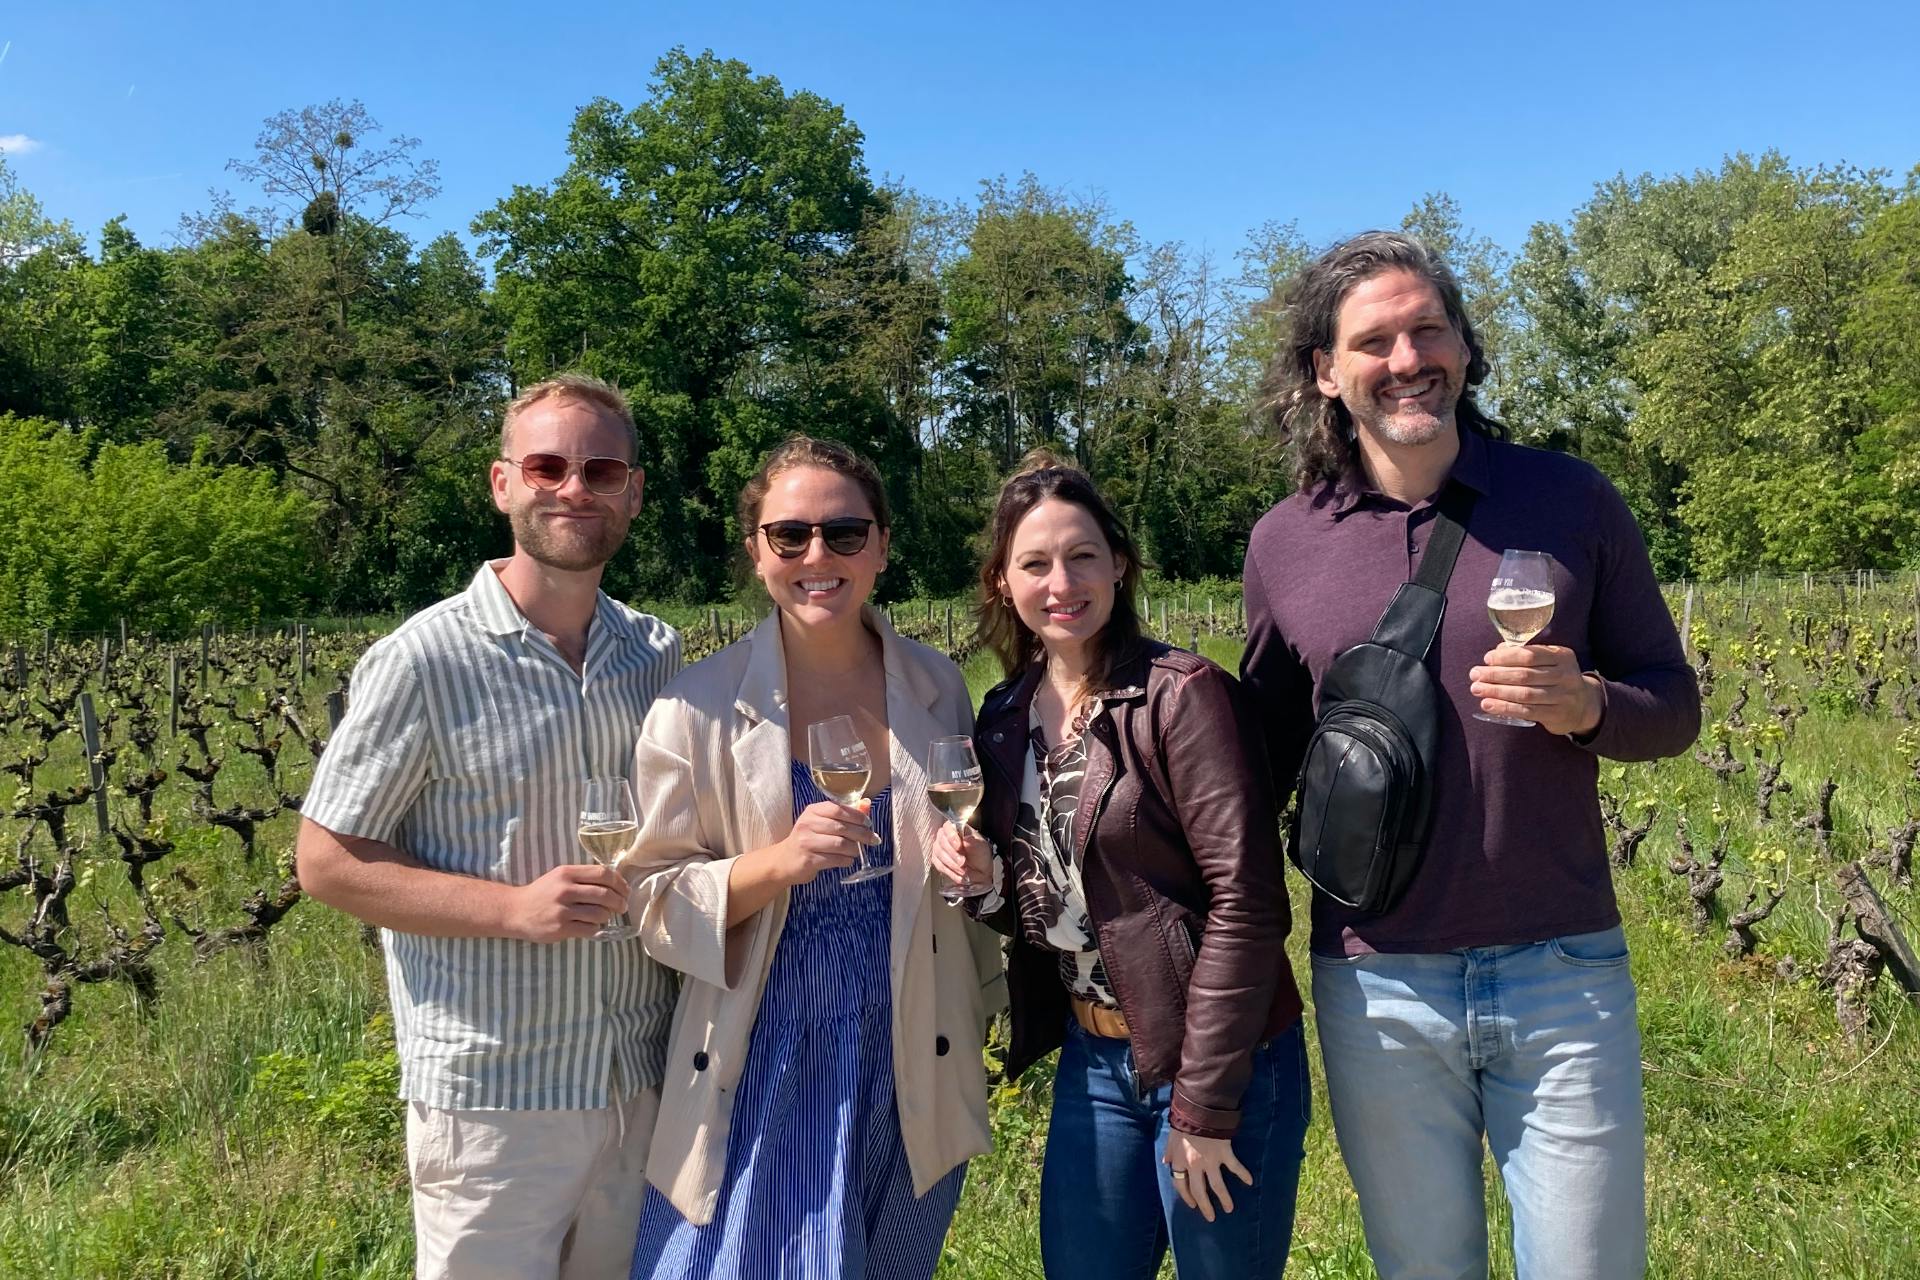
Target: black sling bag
[1366,783]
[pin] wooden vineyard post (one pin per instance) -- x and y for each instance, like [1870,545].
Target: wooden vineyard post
[19,666]
[46,645]
[96,772]
[336,710]
[1195,646]
[173,694]
[206,639]
[1686,626]
[1877,926]
[1210,627]
[1916,614]
[106,659]
[949,628]
[300,629]
[1161,630]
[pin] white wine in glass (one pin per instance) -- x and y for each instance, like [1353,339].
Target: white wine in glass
[837,758]
[954,785]
[607,832]
[1520,604]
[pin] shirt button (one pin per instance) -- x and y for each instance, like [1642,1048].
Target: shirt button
[998,736]
[940,1046]
[700,1060]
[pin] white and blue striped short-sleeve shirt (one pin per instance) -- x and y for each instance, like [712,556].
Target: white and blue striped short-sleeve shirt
[466,740]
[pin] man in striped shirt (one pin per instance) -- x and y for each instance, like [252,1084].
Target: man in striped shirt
[445,811]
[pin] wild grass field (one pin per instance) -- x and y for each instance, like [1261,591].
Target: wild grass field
[237,1118]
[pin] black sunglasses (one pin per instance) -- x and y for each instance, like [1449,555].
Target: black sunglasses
[844,535]
[548,471]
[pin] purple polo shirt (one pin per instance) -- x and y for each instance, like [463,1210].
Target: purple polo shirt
[1517,851]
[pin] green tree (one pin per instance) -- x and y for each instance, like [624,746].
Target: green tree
[101,532]
[43,263]
[1037,326]
[676,254]
[1691,335]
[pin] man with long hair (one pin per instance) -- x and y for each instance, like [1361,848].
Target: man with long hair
[1490,1006]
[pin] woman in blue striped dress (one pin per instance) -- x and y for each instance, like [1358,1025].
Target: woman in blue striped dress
[823,1086]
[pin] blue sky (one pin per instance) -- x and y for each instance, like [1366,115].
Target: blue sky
[1195,121]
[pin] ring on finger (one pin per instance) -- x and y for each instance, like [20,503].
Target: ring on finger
[1180,1175]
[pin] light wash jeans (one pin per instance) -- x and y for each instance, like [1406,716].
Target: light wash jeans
[1533,1047]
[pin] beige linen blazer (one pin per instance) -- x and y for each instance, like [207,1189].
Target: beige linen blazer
[713,778]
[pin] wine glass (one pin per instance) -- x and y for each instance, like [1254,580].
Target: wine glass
[837,758]
[1520,603]
[607,832]
[955,787]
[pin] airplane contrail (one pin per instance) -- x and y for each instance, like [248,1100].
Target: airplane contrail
[5,50]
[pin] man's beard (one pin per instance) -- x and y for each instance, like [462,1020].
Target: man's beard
[1375,416]
[536,535]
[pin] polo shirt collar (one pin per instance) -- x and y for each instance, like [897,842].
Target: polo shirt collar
[1472,467]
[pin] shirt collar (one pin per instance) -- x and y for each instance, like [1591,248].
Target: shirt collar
[500,616]
[495,609]
[1472,467]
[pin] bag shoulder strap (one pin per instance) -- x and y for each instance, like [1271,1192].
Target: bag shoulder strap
[1413,617]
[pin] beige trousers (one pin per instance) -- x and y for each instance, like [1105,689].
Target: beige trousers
[528,1195]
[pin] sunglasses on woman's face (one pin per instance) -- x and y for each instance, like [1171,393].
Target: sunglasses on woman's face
[844,536]
[548,471]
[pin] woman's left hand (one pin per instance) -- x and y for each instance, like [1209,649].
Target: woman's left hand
[1205,1162]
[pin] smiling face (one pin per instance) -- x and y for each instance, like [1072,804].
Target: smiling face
[1062,575]
[570,528]
[1398,363]
[818,587]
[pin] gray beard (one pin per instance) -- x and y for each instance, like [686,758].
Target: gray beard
[532,536]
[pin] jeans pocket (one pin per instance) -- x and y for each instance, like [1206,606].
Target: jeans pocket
[1334,962]
[1605,949]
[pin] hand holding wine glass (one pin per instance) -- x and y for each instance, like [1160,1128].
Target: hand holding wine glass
[1520,603]
[608,831]
[955,786]
[837,757]
[1544,681]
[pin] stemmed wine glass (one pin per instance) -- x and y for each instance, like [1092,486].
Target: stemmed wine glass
[837,758]
[954,786]
[1520,603]
[607,832]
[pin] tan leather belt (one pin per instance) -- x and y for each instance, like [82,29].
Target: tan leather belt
[1099,1020]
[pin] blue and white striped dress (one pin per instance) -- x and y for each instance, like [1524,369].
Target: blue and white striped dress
[817,1184]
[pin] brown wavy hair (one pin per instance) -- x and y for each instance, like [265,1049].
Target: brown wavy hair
[1041,476]
[1318,430]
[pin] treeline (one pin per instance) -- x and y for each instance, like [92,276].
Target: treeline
[1735,348]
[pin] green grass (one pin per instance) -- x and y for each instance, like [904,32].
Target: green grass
[245,1128]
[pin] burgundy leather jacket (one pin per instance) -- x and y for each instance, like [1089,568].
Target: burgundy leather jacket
[1183,877]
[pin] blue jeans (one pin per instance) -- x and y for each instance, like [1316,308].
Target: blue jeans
[1533,1047]
[1108,1209]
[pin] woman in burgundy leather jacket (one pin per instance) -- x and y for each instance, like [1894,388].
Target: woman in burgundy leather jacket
[1131,851]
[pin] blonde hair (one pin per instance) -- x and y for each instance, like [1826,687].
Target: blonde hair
[598,392]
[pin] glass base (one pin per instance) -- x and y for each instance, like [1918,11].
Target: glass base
[955,894]
[615,933]
[1515,721]
[859,874]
